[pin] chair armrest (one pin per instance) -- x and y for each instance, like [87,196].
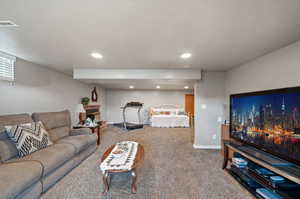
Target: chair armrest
[81,131]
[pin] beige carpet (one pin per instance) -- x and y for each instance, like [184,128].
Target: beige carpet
[172,169]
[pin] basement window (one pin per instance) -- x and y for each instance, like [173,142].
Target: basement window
[7,71]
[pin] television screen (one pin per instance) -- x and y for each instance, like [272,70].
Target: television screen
[269,120]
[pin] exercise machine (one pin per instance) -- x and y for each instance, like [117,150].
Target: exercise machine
[131,126]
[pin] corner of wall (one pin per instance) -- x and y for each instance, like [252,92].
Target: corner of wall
[209,109]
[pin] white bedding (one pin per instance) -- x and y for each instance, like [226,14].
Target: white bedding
[169,121]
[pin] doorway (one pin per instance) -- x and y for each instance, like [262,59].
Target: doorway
[189,107]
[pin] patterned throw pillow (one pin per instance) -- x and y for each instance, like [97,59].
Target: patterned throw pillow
[29,137]
[181,113]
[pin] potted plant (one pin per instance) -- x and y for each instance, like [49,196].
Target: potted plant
[85,101]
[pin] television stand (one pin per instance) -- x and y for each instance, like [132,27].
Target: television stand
[264,156]
[260,159]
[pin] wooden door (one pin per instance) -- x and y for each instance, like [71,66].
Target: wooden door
[189,104]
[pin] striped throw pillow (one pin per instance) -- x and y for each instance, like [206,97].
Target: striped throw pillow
[29,137]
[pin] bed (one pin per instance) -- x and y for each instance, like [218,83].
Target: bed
[168,116]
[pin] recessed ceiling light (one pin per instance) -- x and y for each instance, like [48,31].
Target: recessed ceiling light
[97,55]
[185,55]
[158,86]
[186,87]
[131,87]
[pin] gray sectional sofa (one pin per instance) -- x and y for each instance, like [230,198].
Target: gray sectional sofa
[30,176]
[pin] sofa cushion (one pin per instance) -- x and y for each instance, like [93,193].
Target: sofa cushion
[18,176]
[52,157]
[58,133]
[14,119]
[7,148]
[80,131]
[80,142]
[56,123]
[29,137]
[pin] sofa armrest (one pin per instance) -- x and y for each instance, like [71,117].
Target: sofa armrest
[81,131]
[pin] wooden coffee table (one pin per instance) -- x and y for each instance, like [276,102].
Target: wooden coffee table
[138,159]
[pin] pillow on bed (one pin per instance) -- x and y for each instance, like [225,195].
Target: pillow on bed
[181,113]
[154,113]
[174,113]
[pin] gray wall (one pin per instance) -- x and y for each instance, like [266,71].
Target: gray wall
[39,89]
[117,98]
[278,69]
[209,110]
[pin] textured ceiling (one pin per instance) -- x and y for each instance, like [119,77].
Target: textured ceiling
[147,33]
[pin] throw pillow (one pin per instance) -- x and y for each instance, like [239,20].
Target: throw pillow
[29,137]
[181,113]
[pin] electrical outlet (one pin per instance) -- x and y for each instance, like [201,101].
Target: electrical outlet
[219,119]
[214,136]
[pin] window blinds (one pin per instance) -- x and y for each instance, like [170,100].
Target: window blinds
[7,67]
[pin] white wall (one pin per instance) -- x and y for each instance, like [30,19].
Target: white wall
[209,110]
[39,89]
[278,69]
[117,98]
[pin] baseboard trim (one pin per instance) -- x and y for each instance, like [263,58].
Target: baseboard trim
[207,146]
[145,123]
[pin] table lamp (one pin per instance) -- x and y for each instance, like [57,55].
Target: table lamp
[81,113]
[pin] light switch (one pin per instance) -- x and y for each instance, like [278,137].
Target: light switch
[219,119]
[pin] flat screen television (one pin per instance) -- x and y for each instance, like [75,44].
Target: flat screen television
[268,120]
